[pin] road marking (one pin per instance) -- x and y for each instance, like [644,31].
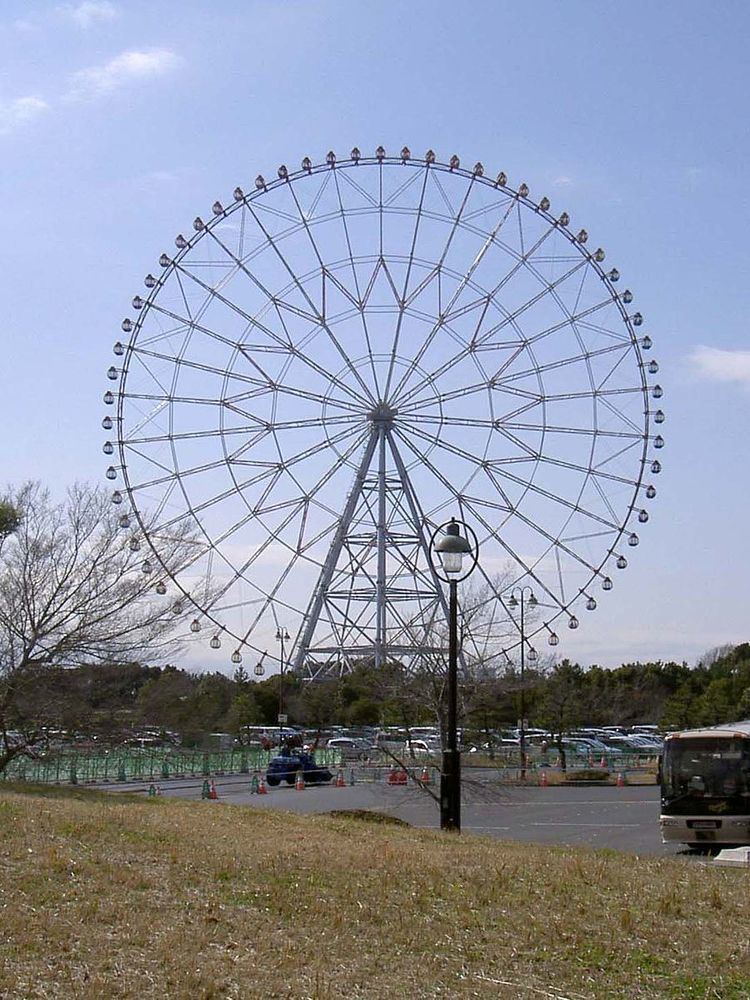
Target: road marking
[487,828]
[603,826]
[583,802]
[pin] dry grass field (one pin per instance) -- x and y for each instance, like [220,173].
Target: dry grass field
[112,897]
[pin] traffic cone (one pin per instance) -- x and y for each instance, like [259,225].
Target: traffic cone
[391,779]
[262,790]
[339,782]
[213,794]
[299,784]
[158,789]
[620,780]
[543,779]
[425,778]
[206,790]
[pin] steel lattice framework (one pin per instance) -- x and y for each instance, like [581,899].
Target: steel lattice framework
[349,355]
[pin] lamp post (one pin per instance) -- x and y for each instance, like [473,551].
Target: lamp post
[451,548]
[282,636]
[517,600]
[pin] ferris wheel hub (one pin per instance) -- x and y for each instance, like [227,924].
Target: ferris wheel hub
[382,414]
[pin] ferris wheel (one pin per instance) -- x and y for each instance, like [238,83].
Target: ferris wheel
[337,361]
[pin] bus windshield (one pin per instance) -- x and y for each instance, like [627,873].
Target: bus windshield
[706,775]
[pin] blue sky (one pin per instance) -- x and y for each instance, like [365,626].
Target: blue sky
[120,121]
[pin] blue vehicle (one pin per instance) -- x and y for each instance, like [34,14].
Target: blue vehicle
[285,767]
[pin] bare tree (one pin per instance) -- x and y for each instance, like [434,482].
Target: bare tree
[72,591]
[485,630]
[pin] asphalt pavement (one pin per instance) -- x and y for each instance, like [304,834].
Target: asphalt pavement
[623,819]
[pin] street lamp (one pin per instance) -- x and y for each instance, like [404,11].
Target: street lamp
[281,636]
[451,548]
[515,602]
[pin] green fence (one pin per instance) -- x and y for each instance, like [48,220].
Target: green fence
[135,765]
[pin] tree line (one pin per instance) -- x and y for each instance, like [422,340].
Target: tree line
[115,700]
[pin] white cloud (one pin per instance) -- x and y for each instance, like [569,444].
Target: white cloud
[721,366]
[90,12]
[19,110]
[129,67]
[562,181]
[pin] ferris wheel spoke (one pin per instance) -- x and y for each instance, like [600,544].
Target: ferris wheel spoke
[446,421]
[438,268]
[142,419]
[466,505]
[612,371]
[605,401]
[343,459]
[352,408]
[401,299]
[574,507]
[240,573]
[560,429]
[147,368]
[355,279]
[190,321]
[604,498]
[598,394]
[479,343]
[589,470]
[202,367]
[278,343]
[346,177]
[191,435]
[560,363]
[618,454]
[295,351]
[438,399]
[318,316]
[268,603]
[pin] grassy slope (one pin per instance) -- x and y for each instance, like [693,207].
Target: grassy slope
[108,898]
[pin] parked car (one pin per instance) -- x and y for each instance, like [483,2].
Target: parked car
[353,749]
[286,765]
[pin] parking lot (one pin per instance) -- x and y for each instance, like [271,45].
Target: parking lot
[624,819]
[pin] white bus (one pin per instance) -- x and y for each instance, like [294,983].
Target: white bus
[705,786]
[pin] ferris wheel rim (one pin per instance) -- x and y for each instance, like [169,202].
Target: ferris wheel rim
[474,177]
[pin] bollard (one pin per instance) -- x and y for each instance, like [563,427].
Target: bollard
[351,777]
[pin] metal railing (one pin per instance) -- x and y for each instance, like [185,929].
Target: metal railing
[127,764]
